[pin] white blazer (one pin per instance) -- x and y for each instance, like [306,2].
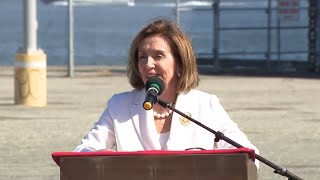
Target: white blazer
[126,126]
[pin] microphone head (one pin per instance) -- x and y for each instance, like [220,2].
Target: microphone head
[155,82]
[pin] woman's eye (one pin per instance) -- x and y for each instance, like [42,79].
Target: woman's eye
[159,56]
[142,56]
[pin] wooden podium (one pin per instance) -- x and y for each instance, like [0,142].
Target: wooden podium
[227,164]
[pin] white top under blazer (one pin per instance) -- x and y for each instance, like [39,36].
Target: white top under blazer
[126,126]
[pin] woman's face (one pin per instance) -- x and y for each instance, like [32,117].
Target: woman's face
[156,59]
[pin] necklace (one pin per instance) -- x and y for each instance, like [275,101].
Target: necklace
[163,115]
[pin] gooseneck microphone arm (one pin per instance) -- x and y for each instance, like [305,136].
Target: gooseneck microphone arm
[220,136]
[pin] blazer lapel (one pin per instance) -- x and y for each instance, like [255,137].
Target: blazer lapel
[143,122]
[181,132]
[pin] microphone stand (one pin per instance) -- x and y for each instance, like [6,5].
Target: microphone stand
[220,136]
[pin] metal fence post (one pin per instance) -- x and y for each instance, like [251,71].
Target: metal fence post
[216,38]
[268,10]
[317,63]
[177,12]
[70,34]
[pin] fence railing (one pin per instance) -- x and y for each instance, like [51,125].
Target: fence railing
[276,32]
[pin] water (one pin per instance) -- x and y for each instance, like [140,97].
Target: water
[103,33]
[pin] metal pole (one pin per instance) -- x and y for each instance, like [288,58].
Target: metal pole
[278,39]
[216,29]
[317,34]
[314,31]
[70,34]
[269,36]
[30,26]
[177,13]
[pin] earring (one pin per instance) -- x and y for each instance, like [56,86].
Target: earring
[178,74]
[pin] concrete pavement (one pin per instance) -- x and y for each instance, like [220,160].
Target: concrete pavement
[280,115]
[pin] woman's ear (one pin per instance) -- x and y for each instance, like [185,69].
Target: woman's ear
[178,71]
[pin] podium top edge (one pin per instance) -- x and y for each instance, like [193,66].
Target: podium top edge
[57,155]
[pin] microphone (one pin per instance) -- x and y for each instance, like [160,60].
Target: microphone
[154,88]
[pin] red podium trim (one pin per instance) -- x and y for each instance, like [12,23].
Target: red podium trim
[57,155]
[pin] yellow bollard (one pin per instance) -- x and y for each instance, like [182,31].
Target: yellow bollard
[31,79]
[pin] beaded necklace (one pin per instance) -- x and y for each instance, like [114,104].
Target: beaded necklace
[163,115]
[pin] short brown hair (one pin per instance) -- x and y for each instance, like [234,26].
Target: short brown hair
[182,50]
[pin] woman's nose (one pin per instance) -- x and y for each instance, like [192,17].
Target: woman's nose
[150,62]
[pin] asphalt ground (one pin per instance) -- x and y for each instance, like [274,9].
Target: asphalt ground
[279,114]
